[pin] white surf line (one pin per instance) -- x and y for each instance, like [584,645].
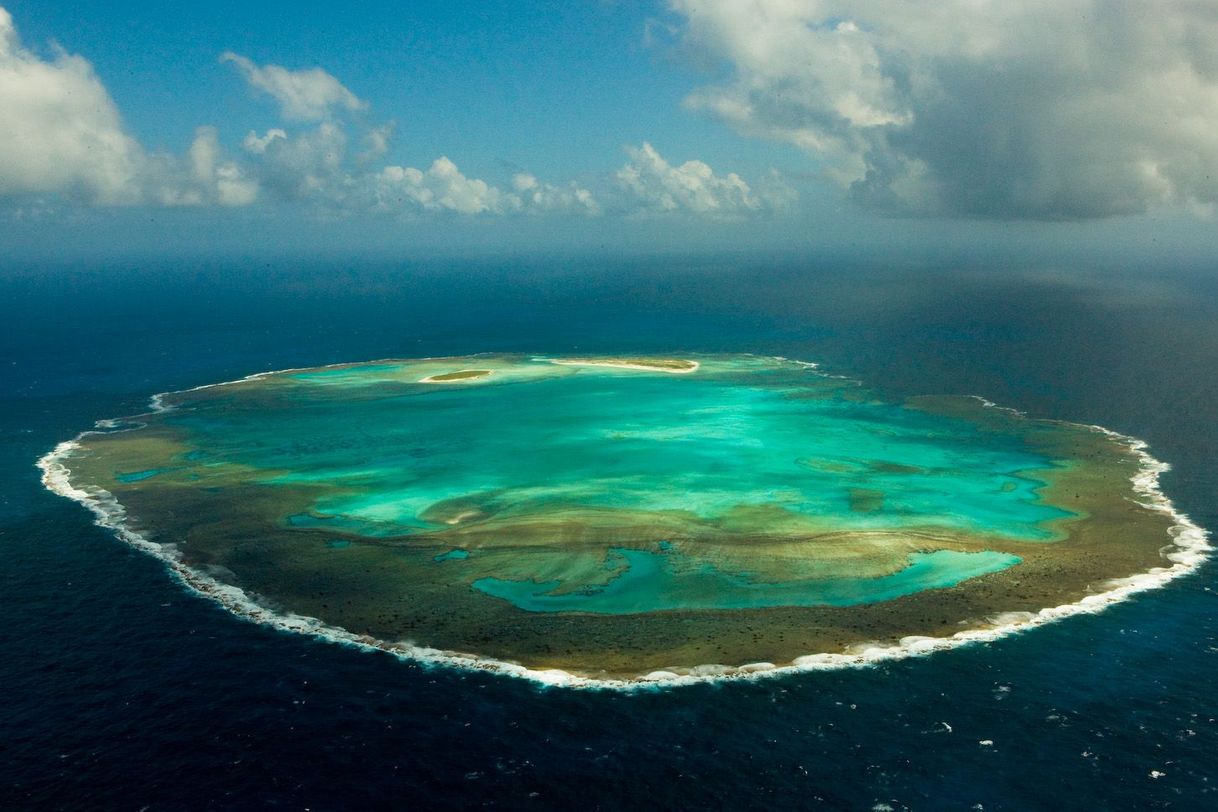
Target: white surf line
[158,406]
[1187,549]
[989,404]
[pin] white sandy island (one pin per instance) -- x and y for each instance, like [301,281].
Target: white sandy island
[659,365]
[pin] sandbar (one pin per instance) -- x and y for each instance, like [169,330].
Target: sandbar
[679,366]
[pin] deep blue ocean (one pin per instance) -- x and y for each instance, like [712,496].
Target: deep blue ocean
[122,690]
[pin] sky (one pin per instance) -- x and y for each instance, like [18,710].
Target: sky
[882,126]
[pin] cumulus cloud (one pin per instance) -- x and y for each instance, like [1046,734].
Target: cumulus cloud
[59,129]
[1037,109]
[376,142]
[204,176]
[257,144]
[309,164]
[536,196]
[315,166]
[223,180]
[61,136]
[657,186]
[61,133]
[303,95]
[442,187]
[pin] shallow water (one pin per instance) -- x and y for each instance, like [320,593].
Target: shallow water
[647,583]
[706,443]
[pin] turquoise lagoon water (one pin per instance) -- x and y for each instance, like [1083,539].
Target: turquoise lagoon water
[535,440]
[647,584]
[138,476]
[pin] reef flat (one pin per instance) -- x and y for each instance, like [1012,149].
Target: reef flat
[611,520]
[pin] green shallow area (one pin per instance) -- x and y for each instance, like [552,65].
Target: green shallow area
[473,503]
[646,584]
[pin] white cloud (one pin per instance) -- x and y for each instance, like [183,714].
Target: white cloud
[310,165]
[224,180]
[536,196]
[657,186]
[257,144]
[441,187]
[59,129]
[61,133]
[303,95]
[203,177]
[375,142]
[315,166]
[1038,109]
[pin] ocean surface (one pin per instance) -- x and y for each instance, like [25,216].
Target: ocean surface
[121,689]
